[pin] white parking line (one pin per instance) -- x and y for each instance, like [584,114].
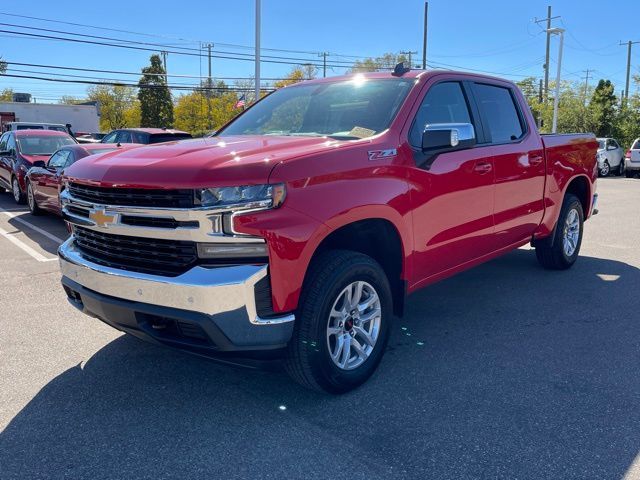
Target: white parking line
[50,236]
[26,248]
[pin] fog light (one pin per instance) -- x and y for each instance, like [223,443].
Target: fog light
[232,250]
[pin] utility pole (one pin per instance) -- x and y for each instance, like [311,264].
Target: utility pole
[257,60]
[208,88]
[586,84]
[324,62]
[626,88]
[546,57]
[409,53]
[556,100]
[424,36]
[164,63]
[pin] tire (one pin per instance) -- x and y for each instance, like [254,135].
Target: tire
[605,169]
[621,168]
[31,201]
[563,254]
[317,333]
[16,191]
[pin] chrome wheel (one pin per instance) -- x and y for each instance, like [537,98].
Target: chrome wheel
[604,171]
[354,325]
[571,232]
[30,199]
[15,188]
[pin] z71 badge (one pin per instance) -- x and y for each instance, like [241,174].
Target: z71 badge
[380,154]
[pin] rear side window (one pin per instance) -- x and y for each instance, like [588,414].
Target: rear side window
[443,103]
[636,145]
[500,113]
[30,127]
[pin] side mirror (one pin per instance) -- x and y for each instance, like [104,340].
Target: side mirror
[39,164]
[443,137]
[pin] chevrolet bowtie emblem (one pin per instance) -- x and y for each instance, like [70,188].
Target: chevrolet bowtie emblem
[101,218]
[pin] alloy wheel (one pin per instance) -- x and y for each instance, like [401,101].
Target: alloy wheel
[571,232]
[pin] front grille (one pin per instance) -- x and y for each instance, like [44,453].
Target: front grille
[133,197]
[157,257]
[157,222]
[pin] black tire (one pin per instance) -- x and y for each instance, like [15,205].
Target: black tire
[554,256]
[605,170]
[630,174]
[31,201]
[16,191]
[308,360]
[621,168]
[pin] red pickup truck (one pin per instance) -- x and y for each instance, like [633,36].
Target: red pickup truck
[300,228]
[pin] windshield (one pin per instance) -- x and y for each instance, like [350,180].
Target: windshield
[352,109]
[42,145]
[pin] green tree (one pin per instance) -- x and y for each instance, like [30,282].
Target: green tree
[192,111]
[296,75]
[69,100]
[602,109]
[385,62]
[114,102]
[156,105]
[3,66]
[6,95]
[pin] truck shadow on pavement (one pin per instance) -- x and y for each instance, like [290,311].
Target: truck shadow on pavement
[504,371]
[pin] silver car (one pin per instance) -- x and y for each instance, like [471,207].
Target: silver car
[610,157]
[632,160]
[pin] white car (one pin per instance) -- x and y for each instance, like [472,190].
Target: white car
[632,159]
[610,157]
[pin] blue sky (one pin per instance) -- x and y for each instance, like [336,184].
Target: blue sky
[494,36]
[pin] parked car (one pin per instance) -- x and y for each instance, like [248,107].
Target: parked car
[14,126]
[632,159]
[299,229]
[144,136]
[19,149]
[83,137]
[610,157]
[45,179]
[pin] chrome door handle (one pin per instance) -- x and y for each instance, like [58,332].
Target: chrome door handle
[535,160]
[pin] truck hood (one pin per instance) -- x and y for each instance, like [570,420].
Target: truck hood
[204,162]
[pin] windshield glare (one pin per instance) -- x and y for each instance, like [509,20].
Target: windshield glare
[348,110]
[42,145]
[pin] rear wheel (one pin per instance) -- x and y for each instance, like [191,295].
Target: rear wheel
[18,196]
[343,322]
[31,200]
[621,168]
[563,252]
[605,169]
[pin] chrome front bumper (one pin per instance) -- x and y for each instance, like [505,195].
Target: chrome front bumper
[208,291]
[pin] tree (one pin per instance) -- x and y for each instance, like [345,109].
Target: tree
[192,111]
[602,109]
[385,62]
[113,102]
[296,75]
[69,100]
[6,95]
[156,105]
[3,66]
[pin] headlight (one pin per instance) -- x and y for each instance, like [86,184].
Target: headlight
[244,197]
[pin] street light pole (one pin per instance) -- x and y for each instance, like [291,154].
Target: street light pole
[556,100]
[257,60]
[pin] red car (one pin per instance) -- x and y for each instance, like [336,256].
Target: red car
[300,228]
[144,136]
[44,179]
[20,149]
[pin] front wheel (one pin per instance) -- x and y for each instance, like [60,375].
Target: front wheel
[343,323]
[605,169]
[31,200]
[563,251]
[18,196]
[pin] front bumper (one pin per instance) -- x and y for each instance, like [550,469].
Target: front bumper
[204,309]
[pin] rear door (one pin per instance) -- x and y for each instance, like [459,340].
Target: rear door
[48,183]
[518,159]
[635,153]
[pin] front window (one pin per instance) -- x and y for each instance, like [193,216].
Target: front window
[42,145]
[353,109]
[600,144]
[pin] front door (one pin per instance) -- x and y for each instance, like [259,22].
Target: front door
[452,194]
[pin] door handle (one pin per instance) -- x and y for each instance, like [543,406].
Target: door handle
[535,160]
[483,167]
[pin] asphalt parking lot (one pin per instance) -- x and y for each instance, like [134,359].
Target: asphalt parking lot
[505,371]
